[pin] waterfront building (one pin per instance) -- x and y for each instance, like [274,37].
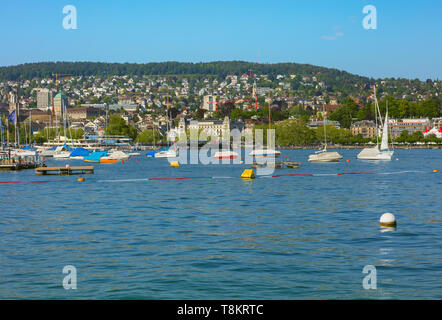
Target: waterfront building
[436,122]
[366,128]
[409,125]
[217,127]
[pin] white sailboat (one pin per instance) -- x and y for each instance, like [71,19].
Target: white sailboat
[324,155]
[376,153]
[167,152]
[266,152]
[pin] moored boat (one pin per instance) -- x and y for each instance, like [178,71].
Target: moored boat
[325,156]
[267,153]
[225,155]
[376,153]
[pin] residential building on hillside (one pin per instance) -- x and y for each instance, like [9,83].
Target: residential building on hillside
[44,99]
[315,124]
[84,113]
[209,103]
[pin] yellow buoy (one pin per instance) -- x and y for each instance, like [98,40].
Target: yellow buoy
[174,164]
[435,171]
[248,174]
[80,179]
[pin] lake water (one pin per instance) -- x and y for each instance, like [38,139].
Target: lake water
[293,237]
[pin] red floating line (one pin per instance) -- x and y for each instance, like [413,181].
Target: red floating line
[50,181]
[292,175]
[180,178]
[35,181]
[342,173]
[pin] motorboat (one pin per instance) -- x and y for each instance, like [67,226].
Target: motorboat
[267,153]
[166,153]
[119,155]
[225,155]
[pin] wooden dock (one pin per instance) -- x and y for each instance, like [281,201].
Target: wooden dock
[64,171]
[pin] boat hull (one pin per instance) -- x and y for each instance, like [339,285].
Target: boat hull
[375,154]
[225,155]
[165,154]
[265,154]
[102,161]
[325,157]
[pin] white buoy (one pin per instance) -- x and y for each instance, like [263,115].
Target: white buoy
[388,220]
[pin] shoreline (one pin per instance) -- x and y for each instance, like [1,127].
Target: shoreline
[359,147]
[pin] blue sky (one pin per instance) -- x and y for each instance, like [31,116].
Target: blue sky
[407,41]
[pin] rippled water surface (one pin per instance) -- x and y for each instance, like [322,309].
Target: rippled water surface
[292,237]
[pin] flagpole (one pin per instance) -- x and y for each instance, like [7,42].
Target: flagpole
[7,130]
[15,132]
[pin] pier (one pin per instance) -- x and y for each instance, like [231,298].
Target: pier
[41,171]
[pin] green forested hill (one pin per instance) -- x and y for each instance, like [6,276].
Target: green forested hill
[221,68]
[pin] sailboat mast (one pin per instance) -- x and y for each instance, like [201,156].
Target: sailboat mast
[325,129]
[376,115]
[31,135]
[167,118]
[3,138]
[270,114]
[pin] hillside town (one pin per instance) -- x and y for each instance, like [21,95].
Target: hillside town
[169,105]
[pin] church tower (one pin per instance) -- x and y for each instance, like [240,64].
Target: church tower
[14,104]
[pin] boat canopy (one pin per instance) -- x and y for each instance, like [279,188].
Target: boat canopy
[29,147]
[82,152]
[95,156]
[67,148]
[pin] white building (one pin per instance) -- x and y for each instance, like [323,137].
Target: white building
[209,103]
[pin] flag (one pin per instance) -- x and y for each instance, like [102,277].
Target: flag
[12,117]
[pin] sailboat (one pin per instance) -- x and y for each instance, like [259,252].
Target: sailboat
[324,155]
[266,152]
[166,152]
[376,153]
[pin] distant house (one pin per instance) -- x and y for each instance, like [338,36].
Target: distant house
[333,101]
[315,124]
[4,109]
[327,110]
[84,113]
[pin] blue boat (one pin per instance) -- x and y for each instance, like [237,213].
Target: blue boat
[95,156]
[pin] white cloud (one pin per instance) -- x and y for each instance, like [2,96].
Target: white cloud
[331,38]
